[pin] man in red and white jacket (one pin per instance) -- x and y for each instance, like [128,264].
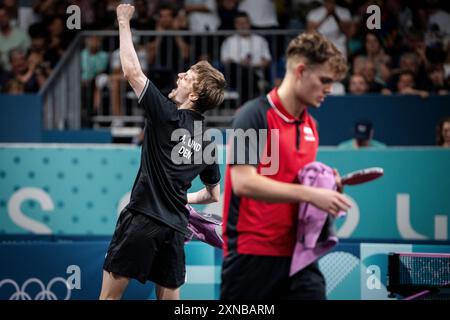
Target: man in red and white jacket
[261,190]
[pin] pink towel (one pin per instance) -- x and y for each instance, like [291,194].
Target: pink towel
[204,227]
[315,229]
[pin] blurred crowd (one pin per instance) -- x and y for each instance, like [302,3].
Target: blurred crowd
[410,54]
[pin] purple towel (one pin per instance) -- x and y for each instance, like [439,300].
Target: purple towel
[204,227]
[315,229]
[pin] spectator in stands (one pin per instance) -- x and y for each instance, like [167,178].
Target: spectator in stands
[12,9]
[116,78]
[332,21]
[354,38]
[22,69]
[14,86]
[262,13]
[443,133]
[405,83]
[446,63]
[38,44]
[374,51]
[10,38]
[245,47]
[337,89]
[369,72]
[49,8]
[88,12]
[357,85]
[168,52]
[59,38]
[246,57]
[227,11]
[406,86]
[363,133]
[42,73]
[94,61]
[436,81]
[299,10]
[389,32]
[438,19]
[143,20]
[413,61]
[358,64]
[202,15]
[104,14]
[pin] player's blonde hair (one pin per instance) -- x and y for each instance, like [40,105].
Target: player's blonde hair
[209,84]
[316,49]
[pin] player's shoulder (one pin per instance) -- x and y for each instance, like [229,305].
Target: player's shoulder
[255,107]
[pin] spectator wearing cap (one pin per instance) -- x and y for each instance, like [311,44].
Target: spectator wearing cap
[362,137]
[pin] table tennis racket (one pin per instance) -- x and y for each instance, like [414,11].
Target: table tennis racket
[362,176]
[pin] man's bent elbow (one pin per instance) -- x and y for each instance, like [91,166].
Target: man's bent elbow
[240,189]
[131,74]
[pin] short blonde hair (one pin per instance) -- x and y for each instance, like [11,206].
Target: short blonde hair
[209,85]
[317,50]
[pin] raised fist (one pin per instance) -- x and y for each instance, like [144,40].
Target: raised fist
[124,12]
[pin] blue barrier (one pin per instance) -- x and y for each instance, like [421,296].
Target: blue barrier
[79,190]
[20,118]
[398,120]
[77,136]
[353,270]
[32,270]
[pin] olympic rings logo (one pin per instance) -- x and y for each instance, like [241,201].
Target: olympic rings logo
[45,292]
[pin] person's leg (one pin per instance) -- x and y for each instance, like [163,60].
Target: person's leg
[307,284]
[130,253]
[113,286]
[169,270]
[163,293]
[251,277]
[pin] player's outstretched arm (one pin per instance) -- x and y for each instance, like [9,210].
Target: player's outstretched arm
[128,57]
[207,195]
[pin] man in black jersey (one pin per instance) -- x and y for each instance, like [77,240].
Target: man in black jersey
[148,243]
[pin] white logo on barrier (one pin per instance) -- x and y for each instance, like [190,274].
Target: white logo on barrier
[373,281]
[45,292]
[20,219]
[405,228]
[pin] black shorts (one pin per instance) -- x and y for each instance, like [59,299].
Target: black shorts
[144,248]
[251,277]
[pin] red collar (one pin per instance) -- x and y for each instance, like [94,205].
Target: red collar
[275,102]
